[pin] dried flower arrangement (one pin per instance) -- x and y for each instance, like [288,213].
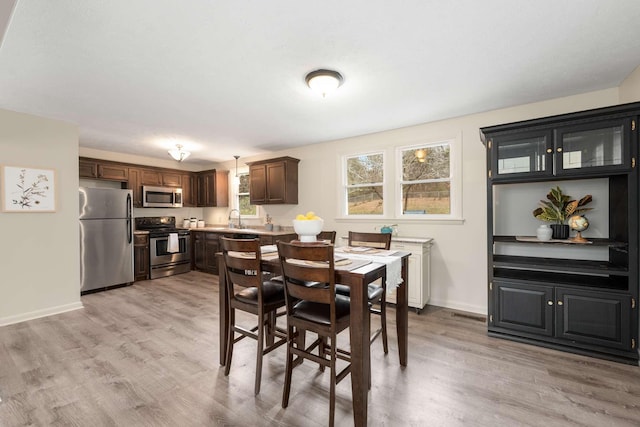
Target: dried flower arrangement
[559,207]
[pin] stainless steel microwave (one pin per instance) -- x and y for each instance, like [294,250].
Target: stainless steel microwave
[161,197]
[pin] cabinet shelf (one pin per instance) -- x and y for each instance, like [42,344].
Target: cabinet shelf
[594,242]
[613,282]
[559,265]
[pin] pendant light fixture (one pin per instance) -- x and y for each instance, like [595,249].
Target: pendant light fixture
[236,179]
[178,153]
[324,81]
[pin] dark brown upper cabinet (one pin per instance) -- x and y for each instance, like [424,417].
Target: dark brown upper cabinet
[203,189]
[273,181]
[102,169]
[213,188]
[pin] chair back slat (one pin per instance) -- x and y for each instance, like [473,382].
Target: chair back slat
[371,240]
[242,258]
[304,263]
[327,235]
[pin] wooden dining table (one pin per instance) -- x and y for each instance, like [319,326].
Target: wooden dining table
[359,328]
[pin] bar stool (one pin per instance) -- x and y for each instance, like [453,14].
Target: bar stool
[376,292]
[249,292]
[317,309]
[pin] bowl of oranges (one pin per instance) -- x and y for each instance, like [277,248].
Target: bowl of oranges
[308,226]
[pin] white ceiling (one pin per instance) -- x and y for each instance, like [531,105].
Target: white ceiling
[226,77]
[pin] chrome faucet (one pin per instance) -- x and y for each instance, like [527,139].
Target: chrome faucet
[239,218]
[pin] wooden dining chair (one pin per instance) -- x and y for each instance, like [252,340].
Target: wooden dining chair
[323,236]
[317,309]
[329,236]
[248,291]
[376,291]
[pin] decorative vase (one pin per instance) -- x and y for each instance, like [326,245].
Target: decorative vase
[560,231]
[544,233]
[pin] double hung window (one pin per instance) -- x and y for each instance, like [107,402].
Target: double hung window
[420,181]
[364,187]
[425,183]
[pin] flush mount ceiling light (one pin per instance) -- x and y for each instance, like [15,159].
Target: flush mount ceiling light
[324,81]
[178,153]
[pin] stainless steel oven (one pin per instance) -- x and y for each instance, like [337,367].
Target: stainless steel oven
[165,262]
[166,258]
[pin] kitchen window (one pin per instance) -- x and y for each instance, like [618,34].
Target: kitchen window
[242,197]
[363,189]
[426,187]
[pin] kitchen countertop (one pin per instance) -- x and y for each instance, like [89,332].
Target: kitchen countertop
[257,231]
[263,232]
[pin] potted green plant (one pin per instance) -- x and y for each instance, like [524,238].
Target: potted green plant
[558,208]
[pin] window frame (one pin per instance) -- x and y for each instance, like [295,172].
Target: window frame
[455,181]
[235,193]
[392,187]
[344,208]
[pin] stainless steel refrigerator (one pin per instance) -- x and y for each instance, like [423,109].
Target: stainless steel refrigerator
[106,238]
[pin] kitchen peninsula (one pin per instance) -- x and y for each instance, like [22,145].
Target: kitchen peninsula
[206,243]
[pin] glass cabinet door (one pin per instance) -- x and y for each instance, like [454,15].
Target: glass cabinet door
[523,154]
[594,145]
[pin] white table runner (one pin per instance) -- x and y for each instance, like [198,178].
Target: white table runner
[393,263]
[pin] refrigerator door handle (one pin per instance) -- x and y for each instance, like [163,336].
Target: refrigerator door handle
[129,230]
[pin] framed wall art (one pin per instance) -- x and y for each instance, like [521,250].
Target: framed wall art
[28,189]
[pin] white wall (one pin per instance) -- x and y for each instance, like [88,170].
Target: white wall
[39,252]
[459,255]
[630,87]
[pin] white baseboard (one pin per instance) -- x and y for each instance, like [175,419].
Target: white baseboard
[50,311]
[459,306]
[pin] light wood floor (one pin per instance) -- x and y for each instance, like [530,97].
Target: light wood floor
[147,355]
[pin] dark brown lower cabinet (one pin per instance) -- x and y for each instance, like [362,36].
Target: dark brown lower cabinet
[205,247]
[589,319]
[272,240]
[207,244]
[141,262]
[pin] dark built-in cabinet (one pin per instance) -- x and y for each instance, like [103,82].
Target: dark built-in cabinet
[581,298]
[273,181]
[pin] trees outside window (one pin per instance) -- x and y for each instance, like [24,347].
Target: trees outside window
[426,180]
[421,182]
[364,190]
